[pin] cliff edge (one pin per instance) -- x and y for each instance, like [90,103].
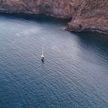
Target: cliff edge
[85,15]
[92,15]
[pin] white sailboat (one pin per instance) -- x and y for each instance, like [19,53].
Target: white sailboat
[42,56]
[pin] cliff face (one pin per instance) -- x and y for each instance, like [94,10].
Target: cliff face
[91,15]
[56,8]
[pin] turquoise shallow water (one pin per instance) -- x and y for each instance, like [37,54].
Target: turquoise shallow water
[74,75]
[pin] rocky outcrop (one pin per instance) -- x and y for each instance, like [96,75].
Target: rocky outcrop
[85,15]
[91,16]
[56,8]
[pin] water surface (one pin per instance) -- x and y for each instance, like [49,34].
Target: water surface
[74,75]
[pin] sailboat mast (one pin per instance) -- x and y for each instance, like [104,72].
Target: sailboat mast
[42,50]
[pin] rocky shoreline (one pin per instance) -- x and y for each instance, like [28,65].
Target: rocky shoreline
[83,15]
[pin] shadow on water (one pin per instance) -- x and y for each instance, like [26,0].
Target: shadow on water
[39,18]
[94,41]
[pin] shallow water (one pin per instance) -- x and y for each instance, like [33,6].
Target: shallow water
[74,75]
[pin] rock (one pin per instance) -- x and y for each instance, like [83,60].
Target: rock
[91,16]
[85,15]
[56,8]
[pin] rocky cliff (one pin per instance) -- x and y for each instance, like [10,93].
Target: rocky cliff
[85,15]
[56,8]
[91,16]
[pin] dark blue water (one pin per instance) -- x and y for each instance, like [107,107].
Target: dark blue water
[74,75]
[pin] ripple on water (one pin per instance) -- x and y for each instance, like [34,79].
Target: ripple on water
[74,73]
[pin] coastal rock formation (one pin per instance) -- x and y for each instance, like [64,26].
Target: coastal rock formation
[85,15]
[91,16]
[55,8]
